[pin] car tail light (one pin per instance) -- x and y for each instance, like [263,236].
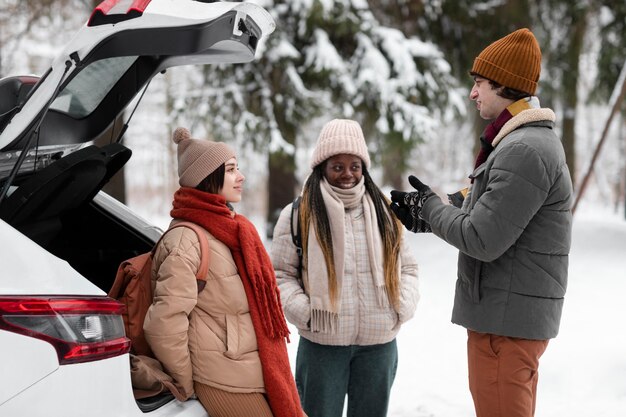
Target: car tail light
[80,329]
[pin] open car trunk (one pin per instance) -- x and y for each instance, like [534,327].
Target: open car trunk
[48,190]
[51,174]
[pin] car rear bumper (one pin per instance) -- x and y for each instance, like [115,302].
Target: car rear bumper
[95,389]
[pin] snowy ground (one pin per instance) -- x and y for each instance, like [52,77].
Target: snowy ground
[582,373]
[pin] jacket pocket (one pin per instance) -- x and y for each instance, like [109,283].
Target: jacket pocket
[476,189]
[207,332]
[240,336]
[470,270]
[480,170]
[478,267]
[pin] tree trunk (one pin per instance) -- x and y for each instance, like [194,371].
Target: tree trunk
[281,181]
[281,185]
[570,91]
[395,160]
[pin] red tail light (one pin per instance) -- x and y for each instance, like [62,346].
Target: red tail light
[80,329]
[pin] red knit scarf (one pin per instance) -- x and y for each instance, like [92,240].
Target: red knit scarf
[259,281]
[489,134]
[493,128]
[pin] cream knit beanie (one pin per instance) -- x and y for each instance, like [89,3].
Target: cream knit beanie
[198,158]
[340,136]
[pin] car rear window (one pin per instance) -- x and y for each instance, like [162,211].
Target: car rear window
[88,88]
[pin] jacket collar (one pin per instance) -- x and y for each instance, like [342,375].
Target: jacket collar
[522,118]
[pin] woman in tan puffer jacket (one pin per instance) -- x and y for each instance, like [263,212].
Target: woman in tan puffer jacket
[225,342]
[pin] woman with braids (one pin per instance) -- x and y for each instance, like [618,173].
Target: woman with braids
[225,341]
[356,283]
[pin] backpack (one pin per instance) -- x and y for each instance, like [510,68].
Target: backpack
[133,288]
[295,229]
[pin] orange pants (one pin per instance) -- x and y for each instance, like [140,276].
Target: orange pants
[503,374]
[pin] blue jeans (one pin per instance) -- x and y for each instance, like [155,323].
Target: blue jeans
[326,374]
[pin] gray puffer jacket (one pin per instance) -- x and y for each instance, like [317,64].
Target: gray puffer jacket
[513,233]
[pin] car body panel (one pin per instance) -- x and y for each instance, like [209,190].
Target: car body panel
[31,361]
[108,392]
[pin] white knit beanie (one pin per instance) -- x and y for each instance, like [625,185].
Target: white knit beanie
[198,158]
[340,136]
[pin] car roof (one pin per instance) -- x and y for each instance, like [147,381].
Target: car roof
[115,55]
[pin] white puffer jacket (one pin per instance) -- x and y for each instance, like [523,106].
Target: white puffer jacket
[362,321]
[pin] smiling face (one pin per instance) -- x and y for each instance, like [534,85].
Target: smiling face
[488,102]
[233,182]
[343,171]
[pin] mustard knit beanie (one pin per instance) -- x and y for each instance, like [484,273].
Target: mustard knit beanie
[340,136]
[513,61]
[198,158]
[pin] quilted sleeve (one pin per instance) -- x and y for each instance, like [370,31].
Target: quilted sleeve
[285,259]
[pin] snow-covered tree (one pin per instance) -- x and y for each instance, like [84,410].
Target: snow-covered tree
[462,28]
[329,59]
[612,52]
[33,32]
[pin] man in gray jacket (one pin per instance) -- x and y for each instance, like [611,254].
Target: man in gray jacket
[512,229]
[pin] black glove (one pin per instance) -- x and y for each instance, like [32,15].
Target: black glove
[408,206]
[456,199]
[415,225]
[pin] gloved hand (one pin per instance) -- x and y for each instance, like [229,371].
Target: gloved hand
[456,199]
[415,225]
[408,206]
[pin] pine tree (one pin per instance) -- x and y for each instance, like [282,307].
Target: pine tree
[462,29]
[611,16]
[330,59]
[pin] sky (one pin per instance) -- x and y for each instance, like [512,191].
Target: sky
[583,371]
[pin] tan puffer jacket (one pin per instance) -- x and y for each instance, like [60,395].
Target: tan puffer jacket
[206,337]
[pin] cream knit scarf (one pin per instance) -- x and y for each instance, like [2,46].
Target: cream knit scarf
[325,314]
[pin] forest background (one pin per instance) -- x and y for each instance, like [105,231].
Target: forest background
[399,67]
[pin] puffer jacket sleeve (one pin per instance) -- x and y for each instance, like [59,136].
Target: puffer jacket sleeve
[175,294]
[295,301]
[517,187]
[409,284]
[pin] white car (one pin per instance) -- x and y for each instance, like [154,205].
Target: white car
[64,351]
